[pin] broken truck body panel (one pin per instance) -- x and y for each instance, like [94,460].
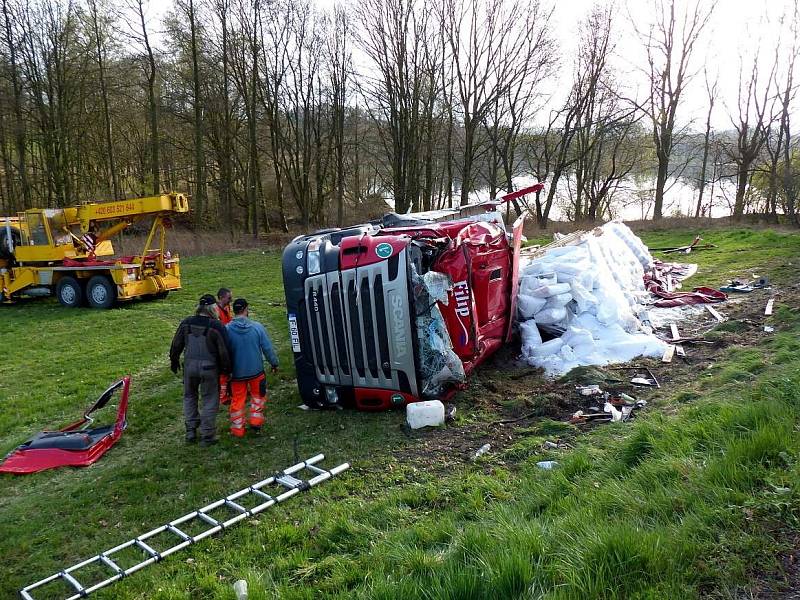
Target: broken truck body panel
[358,302]
[75,445]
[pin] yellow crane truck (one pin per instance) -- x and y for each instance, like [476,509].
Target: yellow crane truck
[67,252]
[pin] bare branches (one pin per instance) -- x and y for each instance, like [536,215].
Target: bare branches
[669,45]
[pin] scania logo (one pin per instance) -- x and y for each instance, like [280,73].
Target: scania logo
[398,324]
[384,250]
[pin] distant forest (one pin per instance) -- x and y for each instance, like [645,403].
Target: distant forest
[276,114]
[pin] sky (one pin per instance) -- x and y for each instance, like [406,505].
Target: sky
[734,31]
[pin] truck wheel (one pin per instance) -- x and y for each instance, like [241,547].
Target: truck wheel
[101,292]
[69,292]
[4,253]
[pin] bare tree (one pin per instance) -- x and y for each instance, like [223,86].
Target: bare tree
[394,35]
[200,196]
[515,106]
[54,70]
[490,42]
[787,95]
[550,153]
[138,32]
[11,41]
[340,61]
[752,127]
[605,150]
[670,43]
[711,95]
[99,25]
[224,134]
[276,57]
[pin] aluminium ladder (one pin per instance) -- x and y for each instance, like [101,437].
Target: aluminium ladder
[284,479]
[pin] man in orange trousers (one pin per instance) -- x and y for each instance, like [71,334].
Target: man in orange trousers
[248,341]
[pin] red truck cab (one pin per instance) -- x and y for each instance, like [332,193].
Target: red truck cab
[402,309]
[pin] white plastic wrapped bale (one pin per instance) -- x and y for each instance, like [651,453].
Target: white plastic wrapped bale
[592,291]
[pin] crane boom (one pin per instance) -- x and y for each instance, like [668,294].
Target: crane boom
[136,207]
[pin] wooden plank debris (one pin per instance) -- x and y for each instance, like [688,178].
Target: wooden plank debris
[668,354]
[715,313]
[679,350]
[674,329]
[768,309]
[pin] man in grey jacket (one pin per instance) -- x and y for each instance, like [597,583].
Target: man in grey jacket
[203,341]
[248,341]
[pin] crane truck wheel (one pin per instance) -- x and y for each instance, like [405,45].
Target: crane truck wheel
[4,251]
[69,292]
[101,292]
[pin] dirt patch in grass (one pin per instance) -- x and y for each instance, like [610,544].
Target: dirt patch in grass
[506,398]
[783,581]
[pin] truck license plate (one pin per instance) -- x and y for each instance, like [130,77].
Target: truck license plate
[294,333]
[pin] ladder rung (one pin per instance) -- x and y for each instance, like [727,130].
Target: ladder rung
[111,564]
[184,536]
[235,506]
[260,493]
[208,519]
[289,482]
[72,581]
[146,547]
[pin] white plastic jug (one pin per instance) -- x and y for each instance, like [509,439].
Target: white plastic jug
[424,414]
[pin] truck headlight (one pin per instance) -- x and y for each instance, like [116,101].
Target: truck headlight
[313,262]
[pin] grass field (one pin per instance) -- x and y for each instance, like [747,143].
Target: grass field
[698,496]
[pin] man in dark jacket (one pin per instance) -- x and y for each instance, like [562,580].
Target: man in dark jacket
[203,341]
[248,340]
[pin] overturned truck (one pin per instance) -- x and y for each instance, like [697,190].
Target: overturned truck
[400,309]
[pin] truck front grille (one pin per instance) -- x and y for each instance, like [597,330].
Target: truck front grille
[360,322]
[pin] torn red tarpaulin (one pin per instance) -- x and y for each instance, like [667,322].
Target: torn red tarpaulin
[699,295]
[655,282]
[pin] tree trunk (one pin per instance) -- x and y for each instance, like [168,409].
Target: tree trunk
[155,163]
[112,165]
[741,188]
[466,173]
[661,184]
[705,163]
[251,131]
[19,122]
[199,152]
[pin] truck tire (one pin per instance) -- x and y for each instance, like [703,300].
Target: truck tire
[101,292]
[4,253]
[69,292]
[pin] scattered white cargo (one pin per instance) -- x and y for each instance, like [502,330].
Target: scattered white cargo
[593,292]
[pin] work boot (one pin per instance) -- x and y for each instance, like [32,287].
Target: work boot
[205,442]
[255,430]
[191,436]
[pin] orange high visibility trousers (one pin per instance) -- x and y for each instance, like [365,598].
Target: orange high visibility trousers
[224,392]
[257,386]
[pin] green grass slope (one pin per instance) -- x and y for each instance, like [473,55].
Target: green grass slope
[698,496]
